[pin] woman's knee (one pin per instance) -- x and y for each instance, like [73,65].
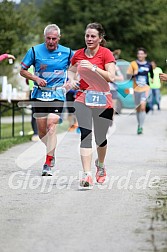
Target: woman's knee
[86,138]
[101,143]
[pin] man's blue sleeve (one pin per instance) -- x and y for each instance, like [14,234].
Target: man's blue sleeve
[28,60]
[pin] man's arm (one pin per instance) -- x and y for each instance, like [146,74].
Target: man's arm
[132,70]
[41,82]
[151,72]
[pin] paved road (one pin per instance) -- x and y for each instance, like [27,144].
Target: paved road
[53,214]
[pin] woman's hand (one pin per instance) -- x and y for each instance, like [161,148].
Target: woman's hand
[86,64]
[71,84]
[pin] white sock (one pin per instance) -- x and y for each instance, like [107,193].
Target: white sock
[88,173]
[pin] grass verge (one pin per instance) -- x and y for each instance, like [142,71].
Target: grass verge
[5,144]
[7,141]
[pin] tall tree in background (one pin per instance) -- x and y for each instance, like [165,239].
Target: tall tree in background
[129,24]
[19,29]
[18,25]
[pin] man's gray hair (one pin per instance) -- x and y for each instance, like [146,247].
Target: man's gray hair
[51,27]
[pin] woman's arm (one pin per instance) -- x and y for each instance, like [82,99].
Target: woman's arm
[108,74]
[72,77]
[119,76]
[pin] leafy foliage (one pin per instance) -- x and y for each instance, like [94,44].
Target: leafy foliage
[129,24]
[19,29]
[18,25]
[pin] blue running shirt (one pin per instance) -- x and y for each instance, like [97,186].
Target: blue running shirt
[144,68]
[51,66]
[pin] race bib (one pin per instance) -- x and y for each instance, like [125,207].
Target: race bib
[141,81]
[95,99]
[45,95]
[48,95]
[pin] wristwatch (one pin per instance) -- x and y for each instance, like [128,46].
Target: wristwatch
[94,68]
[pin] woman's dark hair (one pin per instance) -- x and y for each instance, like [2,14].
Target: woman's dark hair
[142,49]
[100,30]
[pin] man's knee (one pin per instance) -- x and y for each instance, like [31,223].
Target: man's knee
[52,121]
[51,128]
[143,108]
[42,134]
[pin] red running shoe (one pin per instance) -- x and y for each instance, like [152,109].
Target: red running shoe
[100,174]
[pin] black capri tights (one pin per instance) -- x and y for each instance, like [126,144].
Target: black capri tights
[101,121]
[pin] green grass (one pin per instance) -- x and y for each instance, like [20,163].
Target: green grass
[5,144]
[6,129]
[8,141]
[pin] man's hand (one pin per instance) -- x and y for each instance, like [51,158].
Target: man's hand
[41,82]
[163,76]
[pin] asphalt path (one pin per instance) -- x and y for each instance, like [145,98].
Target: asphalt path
[127,213]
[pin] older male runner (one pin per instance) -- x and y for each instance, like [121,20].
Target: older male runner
[51,61]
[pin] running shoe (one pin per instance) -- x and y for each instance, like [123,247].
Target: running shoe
[52,163]
[139,130]
[86,181]
[100,174]
[35,138]
[46,170]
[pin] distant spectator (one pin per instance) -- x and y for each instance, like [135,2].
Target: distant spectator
[155,85]
[35,136]
[6,56]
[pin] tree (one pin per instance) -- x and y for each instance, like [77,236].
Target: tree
[18,26]
[19,29]
[129,24]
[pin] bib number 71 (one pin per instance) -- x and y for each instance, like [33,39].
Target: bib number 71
[95,98]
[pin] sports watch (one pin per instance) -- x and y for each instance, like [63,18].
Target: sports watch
[94,68]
